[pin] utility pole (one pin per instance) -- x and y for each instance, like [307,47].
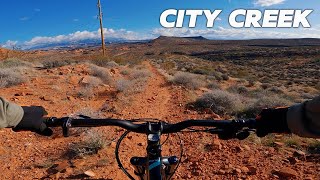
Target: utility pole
[101,29]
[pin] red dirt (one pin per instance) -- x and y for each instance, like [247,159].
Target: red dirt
[205,157]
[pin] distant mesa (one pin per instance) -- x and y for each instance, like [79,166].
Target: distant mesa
[175,39]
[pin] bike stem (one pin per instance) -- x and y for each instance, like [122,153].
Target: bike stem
[154,166]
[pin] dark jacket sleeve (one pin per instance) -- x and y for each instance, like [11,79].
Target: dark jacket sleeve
[305,123]
[10,114]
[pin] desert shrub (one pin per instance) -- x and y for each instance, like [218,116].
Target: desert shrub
[238,89]
[90,81]
[101,73]
[111,64]
[86,92]
[168,65]
[149,53]
[92,143]
[314,147]
[225,77]
[318,86]
[187,79]
[101,61]
[9,77]
[49,64]
[276,90]
[213,85]
[139,73]
[221,102]
[123,85]
[14,62]
[265,86]
[254,108]
[125,72]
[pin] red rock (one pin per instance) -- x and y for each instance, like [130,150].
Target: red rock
[244,169]
[286,173]
[216,144]
[252,170]
[90,173]
[62,166]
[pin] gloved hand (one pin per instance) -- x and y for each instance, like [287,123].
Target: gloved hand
[272,121]
[33,121]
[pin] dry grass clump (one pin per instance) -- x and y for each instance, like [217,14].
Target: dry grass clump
[92,143]
[101,73]
[255,107]
[139,73]
[238,89]
[220,102]
[54,63]
[103,62]
[13,63]
[213,85]
[187,80]
[86,92]
[123,85]
[9,77]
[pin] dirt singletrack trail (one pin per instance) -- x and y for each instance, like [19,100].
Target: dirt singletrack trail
[153,102]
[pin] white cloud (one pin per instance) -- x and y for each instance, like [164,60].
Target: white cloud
[218,19]
[75,20]
[266,3]
[24,18]
[9,44]
[83,35]
[232,33]
[37,10]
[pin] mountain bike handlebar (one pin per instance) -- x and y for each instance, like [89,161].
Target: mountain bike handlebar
[219,126]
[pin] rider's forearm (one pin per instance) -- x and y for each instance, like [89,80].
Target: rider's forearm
[305,123]
[10,114]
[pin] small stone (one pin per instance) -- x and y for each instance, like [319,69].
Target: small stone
[237,171]
[90,173]
[69,170]
[216,144]
[238,149]
[279,144]
[78,164]
[70,98]
[113,144]
[293,160]
[221,172]
[252,170]
[20,94]
[244,169]
[286,173]
[62,166]
[246,147]
[298,153]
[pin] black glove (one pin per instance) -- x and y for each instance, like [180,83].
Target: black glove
[33,121]
[272,121]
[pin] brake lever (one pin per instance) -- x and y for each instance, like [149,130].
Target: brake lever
[231,134]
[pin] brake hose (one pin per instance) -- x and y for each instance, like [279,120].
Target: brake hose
[117,155]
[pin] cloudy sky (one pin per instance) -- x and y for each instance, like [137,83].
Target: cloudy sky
[36,22]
